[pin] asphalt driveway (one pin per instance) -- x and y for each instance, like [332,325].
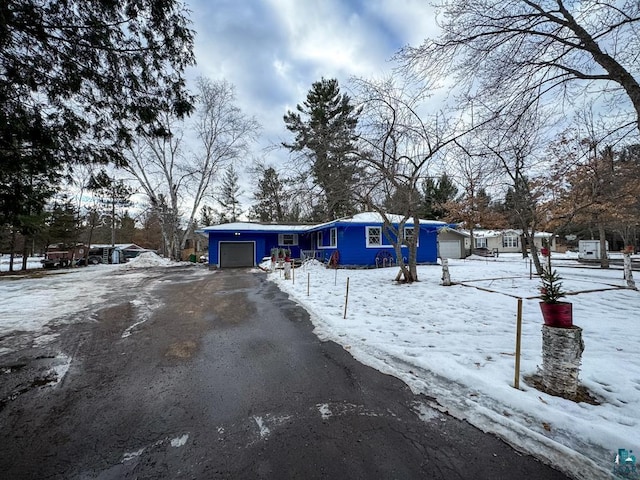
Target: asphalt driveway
[226,379]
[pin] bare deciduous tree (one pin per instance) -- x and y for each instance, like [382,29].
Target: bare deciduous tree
[176,174]
[398,151]
[514,54]
[474,172]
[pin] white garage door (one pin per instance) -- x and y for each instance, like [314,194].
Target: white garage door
[237,254]
[449,249]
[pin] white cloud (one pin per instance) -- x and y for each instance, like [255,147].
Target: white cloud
[273,50]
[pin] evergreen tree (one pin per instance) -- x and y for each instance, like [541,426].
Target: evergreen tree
[127,229]
[62,225]
[325,132]
[113,195]
[207,216]
[437,193]
[229,198]
[78,78]
[269,195]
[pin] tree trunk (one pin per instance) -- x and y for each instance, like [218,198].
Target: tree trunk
[604,258]
[523,246]
[25,254]
[413,249]
[529,236]
[12,244]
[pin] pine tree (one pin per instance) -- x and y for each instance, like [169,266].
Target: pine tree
[229,198]
[325,132]
[269,195]
[78,79]
[437,193]
[207,216]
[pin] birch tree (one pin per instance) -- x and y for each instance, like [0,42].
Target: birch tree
[177,173]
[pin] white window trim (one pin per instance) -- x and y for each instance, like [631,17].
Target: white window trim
[374,245]
[481,242]
[510,237]
[405,236]
[281,242]
[333,237]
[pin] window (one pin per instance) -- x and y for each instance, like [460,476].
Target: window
[374,236]
[481,242]
[510,241]
[286,239]
[333,239]
[408,235]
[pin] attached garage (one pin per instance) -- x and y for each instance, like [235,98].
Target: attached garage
[237,254]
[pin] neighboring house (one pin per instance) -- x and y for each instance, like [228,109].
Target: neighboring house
[104,253]
[357,241]
[506,241]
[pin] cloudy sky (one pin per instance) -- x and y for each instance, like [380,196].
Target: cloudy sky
[273,50]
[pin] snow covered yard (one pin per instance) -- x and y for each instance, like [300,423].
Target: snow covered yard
[454,344]
[32,262]
[457,345]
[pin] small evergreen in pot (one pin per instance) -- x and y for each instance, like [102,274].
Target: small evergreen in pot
[556,313]
[551,288]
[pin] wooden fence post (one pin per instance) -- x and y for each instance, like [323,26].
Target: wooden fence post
[516,379]
[346,299]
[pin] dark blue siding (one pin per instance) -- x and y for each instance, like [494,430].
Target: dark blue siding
[264,242]
[353,250]
[351,244]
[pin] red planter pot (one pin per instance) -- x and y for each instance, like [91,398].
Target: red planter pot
[557,314]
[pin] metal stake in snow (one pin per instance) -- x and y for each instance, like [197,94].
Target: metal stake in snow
[346,299]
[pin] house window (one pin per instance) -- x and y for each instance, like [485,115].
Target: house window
[287,239]
[320,239]
[408,235]
[333,237]
[374,236]
[481,242]
[510,241]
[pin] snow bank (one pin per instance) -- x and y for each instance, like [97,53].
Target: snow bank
[149,259]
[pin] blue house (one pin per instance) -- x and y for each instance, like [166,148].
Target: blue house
[357,241]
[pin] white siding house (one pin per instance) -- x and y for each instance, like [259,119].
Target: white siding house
[506,241]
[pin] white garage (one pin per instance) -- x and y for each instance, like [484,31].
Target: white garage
[237,254]
[449,249]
